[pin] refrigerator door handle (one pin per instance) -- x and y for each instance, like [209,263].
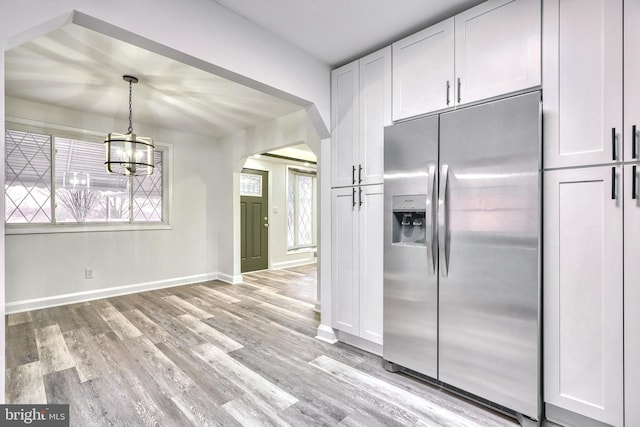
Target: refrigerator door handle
[443,221]
[431,218]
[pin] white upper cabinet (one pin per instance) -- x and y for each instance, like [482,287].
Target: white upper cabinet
[360,109]
[423,74]
[487,51]
[497,49]
[582,82]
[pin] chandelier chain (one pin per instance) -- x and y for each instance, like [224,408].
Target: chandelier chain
[130,110]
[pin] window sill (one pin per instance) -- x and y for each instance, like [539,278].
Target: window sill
[302,250]
[10,229]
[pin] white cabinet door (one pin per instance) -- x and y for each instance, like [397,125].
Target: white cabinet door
[497,49]
[344,124]
[375,114]
[583,320]
[423,71]
[632,294]
[632,84]
[344,260]
[582,82]
[370,254]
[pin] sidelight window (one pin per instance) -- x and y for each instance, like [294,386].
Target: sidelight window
[301,208]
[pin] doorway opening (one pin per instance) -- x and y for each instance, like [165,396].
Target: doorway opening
[290,220]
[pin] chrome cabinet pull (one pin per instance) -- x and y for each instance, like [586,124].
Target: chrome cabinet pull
[634,180]
[448,89]
[613,183]
[353,198]
[360,197]
[613,144]
[353,174]
[443,221]
[634,142]
[459,86]
[359,174]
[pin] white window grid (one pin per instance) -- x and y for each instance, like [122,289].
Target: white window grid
[145,193]
[300,208]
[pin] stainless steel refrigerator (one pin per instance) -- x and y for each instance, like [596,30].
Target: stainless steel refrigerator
[462,250]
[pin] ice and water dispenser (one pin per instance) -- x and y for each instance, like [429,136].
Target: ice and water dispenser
[409,227]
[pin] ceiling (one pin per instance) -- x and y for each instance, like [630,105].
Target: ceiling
[80,69]
[337,31]
[77,68]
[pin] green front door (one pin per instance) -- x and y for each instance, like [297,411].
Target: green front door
[254,208]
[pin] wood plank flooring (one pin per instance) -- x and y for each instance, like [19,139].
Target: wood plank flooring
[215,354]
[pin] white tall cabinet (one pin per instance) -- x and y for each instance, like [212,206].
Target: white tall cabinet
[489,50]
[357,215]
[361,107]
[631,151]
[591,211]
[583,261]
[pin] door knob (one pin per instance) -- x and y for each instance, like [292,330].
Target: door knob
[266,226]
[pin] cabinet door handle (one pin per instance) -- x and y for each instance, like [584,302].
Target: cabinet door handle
[448,90]
[353,198]
[360,197]
[613,144]
[634,142]
[353,174]
[613,183]
[459,86]
[634,180]
[359,174]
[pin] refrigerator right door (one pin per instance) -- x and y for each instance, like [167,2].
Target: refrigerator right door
[489,230]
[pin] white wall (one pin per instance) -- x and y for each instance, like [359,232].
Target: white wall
[279,257]
[296,128]
[42,266]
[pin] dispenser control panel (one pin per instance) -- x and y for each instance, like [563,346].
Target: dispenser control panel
[417,203]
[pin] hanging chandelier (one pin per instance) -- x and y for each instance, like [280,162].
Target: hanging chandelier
[129,154]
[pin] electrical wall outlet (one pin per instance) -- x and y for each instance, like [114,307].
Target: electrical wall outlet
[88,273]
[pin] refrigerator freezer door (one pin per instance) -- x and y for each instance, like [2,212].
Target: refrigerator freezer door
[410,281]
[489,298]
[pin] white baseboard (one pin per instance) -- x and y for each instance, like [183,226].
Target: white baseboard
[228,278]
[53,301]
[292,263]
[327,334]
[361,343]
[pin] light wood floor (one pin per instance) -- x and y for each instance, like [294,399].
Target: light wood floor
[214,354]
